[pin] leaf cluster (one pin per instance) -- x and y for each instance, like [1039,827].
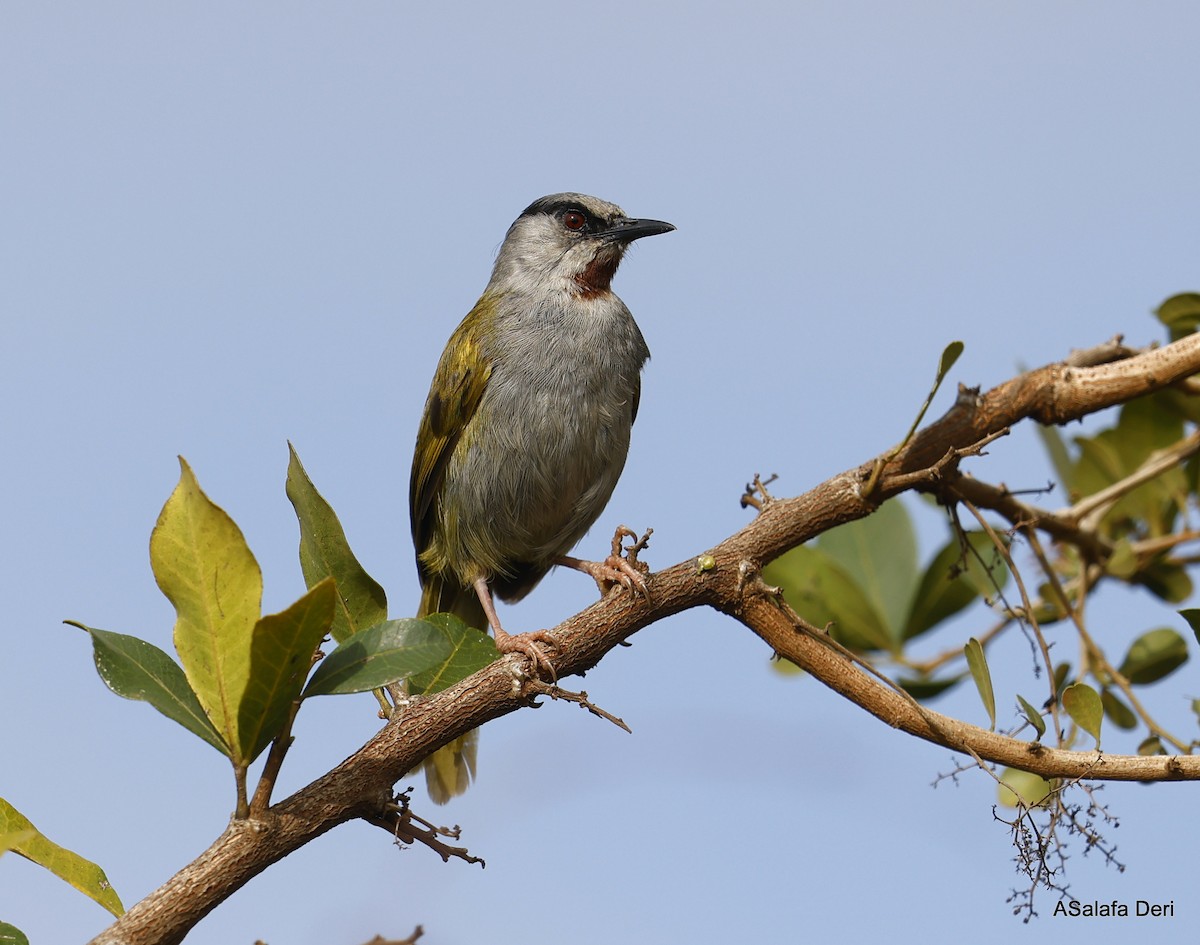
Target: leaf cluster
[1133,485]
[241,676]
[862,581]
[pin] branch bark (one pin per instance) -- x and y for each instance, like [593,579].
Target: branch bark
[724,578]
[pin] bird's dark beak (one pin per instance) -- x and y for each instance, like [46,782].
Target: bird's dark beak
[624,230]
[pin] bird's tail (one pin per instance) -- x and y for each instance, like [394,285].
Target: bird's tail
[450,769]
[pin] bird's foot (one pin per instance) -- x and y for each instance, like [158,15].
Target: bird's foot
[527,644]
[609,573]
[524,643]
[621,568]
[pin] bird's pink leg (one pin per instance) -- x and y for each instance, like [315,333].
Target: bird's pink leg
[526,643]
[608,573]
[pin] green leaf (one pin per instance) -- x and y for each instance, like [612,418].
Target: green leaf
[382,654]
[205,569]
[1121,715]
[1192,616]
[1167,581]
[324,552]
[1060,457]
[135,669]
[1154,655]
[1033,715]
[923,689]
[950,354]
[281,656]
[14,838]
[880,553]
[1097,467]
[11,935]
[1151,746]
[977,664]
[1180,313]
[1050,608]
[70,867]
[1023,788]
[825,594]
[1123,562]
[1084,706]
[470,650]
[952,581]
[1061,673]
[1144,426]
[1184,405]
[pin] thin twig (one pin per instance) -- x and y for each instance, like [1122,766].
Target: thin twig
[406,826]
[1029,615]
[411,940]
[1089,510]
[756,493]
[579,698]
[279,749]
[1096,656]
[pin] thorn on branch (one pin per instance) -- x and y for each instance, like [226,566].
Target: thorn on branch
[1047,489]
[579,698]
[756,493]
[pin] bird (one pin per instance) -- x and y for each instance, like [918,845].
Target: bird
[526,430]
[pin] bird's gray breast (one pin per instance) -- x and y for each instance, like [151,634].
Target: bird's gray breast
[557,415]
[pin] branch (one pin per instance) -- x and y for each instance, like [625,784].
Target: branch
[361,787]
[1090,510]
[805,649]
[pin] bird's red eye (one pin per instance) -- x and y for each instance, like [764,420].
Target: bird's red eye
[574,220]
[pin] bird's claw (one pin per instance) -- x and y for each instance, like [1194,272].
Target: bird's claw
[621,568]
[613,571]
[527,645]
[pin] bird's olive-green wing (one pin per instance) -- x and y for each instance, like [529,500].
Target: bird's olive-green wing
[458,386]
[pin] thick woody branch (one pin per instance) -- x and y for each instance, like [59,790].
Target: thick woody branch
[1055,394]
[807,649]
[725,579]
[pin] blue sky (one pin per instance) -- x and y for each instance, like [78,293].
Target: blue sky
[223,226]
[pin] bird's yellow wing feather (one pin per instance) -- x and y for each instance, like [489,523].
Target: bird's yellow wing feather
[454,397]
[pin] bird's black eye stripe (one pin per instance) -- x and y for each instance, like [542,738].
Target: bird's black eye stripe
[569,213]
[574,218]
